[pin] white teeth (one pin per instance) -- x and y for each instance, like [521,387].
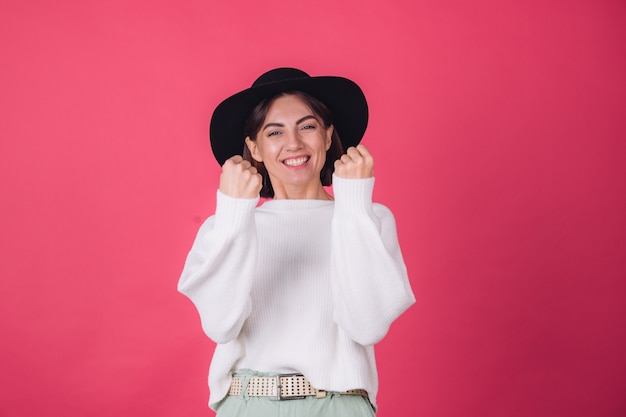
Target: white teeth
[296,161]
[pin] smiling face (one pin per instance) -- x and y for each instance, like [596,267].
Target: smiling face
[292,145]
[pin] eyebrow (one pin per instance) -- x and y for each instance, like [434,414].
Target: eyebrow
[302,119]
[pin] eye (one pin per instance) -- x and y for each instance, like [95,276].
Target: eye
[308,127]
[274,133]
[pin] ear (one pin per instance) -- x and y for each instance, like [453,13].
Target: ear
[254,149]
[329,136]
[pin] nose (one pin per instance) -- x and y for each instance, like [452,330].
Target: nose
[294,139]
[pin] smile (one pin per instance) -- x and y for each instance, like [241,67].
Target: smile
[294,162]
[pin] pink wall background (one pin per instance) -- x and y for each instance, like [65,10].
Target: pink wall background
[498,131]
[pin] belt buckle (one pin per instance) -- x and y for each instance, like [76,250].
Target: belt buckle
[279,388]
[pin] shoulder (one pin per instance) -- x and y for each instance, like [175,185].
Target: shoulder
[381,210]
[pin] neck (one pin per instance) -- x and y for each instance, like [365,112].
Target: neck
[316,192]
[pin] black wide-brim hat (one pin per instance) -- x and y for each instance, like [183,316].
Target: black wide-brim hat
[342,96]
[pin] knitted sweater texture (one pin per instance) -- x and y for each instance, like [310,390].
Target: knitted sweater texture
[305,286]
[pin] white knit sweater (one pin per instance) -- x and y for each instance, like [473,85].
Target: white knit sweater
[304,286]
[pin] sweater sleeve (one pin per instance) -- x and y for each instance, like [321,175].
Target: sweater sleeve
[217,275]
[369,278]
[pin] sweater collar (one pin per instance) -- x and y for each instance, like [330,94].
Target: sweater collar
[293,204]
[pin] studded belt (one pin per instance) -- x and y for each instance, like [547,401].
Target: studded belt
[283,387]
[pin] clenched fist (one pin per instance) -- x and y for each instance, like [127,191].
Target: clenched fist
[357,162]
[239,179]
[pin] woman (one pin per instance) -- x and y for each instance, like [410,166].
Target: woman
[295,292]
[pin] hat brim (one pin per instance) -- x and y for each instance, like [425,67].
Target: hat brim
[344,98]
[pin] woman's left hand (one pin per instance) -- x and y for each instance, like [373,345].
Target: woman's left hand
[357,162]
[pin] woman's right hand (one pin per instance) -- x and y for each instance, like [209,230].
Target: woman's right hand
[239,179]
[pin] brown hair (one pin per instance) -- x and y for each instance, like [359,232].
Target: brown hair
[255,122]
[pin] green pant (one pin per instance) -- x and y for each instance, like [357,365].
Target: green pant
[333,405]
